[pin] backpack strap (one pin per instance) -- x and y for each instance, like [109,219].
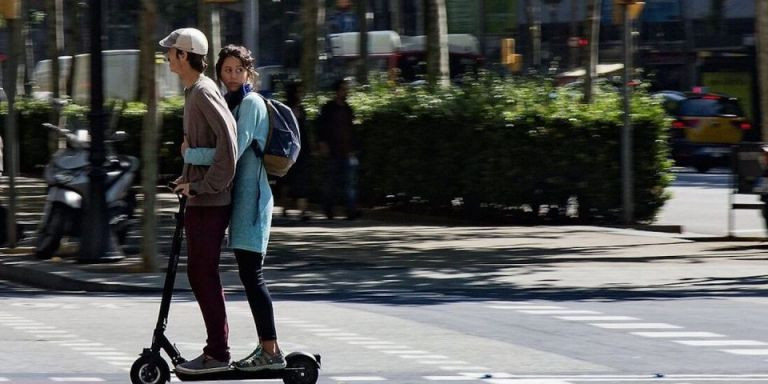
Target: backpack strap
[255,143]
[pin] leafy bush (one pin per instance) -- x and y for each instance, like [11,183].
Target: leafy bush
[505,148]
[493,148]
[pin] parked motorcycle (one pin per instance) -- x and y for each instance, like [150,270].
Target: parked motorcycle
[67,177]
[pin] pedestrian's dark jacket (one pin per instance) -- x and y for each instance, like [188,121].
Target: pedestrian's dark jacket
[336,130]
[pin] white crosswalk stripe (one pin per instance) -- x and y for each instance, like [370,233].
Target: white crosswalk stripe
[635,325]
[677,334]
[720,343]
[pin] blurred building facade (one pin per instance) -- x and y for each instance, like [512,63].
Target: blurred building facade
[680,43]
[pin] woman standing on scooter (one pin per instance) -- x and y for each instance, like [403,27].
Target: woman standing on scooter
[252,200]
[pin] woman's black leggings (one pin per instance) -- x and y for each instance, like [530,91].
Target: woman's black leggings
[250,268]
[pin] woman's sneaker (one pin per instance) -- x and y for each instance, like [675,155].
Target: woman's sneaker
[202,364]
[259,360]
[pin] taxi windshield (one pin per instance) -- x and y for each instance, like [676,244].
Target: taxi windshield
[710,107]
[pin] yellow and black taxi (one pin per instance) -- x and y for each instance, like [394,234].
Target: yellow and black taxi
[705,127]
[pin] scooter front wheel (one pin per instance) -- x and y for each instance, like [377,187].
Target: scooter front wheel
[150,369]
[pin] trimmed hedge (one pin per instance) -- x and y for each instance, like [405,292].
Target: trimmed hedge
[34,149]
[492,148]
[502,149]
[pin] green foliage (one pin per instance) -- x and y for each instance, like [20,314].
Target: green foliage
[494,148]
[500,146]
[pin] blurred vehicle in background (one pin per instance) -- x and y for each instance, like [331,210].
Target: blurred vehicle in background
[402,57]
[705,127]
[121,80]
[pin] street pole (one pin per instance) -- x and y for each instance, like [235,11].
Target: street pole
[95,239]
[626,133]
[11,133]
[251,27]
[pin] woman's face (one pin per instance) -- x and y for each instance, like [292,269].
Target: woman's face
[233,74]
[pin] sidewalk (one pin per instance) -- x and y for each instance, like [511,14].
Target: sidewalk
[376,255]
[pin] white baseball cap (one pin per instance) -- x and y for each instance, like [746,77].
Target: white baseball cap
[188,40]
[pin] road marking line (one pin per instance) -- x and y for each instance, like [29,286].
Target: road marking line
[635,325]
[559,312]
[747,352]
[596,318]
[4,379]
[104,353]
[56,336]
[466,368]
[353,338]
[423,357]
[406,351]
[526,381]
[118,358]
[677,334]
[405,347]
[438,362]
[77,379]
[93,349]
[42,331]
[335,334]
[524,307]
[448,378]
[358,378]
[720,343]
[66,343]
[371,342]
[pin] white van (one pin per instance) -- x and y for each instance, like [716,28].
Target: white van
[120,76]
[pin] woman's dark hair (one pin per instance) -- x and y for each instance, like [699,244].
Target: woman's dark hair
[292,93]
[238,52]
[197,62]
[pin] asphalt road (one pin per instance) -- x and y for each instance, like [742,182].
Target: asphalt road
[406,337]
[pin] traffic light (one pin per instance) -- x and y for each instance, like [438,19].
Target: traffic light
[10,9]
[512,60]
[507,51]
[635,9]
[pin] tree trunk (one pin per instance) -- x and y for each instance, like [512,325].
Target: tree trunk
[204,23]
[73,40]
[150,134]
[309,21]
[532,15]
[594,8]
[761,10]
[53,9]
[438,73]
[362,21]
[395,18]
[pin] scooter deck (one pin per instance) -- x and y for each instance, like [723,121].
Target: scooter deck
[236,374]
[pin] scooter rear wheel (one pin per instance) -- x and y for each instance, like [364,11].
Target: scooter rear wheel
[302,370]
[150,369]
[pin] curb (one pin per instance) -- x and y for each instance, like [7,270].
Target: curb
[36,278]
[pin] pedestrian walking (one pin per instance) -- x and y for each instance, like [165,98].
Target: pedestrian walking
[298,179]
[338,141]
[252,200]
[208,123]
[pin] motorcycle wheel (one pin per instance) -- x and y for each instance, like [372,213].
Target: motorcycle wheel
[49,238]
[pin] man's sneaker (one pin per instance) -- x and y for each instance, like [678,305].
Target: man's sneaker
[259,360]
[202,364]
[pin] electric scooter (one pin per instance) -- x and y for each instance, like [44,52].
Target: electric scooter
[151,368]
